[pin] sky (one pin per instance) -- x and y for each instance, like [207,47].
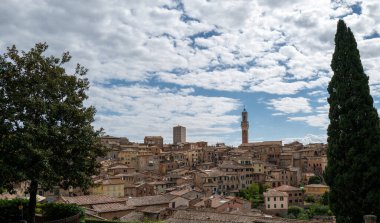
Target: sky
[197,63]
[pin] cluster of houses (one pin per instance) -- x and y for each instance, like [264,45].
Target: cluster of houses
[160,181]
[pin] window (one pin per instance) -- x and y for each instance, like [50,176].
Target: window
[274,198]
[268,206]
[268,198]
[281,198]
[274,205]
[282,205]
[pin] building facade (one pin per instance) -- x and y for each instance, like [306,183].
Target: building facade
[179,134]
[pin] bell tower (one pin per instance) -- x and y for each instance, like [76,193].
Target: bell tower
[244,126]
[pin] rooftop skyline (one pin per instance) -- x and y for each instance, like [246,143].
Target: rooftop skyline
[157,64]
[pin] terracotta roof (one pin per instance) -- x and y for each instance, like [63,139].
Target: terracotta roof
[133,216]
[109,181]
[147,200]
[273,192]
[267,143]
[316,185]
[111,207]
[91,199]
[287,188]
[120,166]
[180,192]
[158,183]
[195,216]
[192,195]
[170,196]
[153,209]
[216,201]
[213,173]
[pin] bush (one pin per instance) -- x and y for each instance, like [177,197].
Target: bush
[9,210]
[314,180]
[55,211]
[303,216]
[324,199]
[319,210]
[310,199]
[295,211]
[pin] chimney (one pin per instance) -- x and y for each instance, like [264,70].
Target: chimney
[370,218]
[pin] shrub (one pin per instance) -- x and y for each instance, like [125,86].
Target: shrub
[55,211]
[310,199]
[9,210]
[319,210]
[295,211]
[303,216]
[324,199]
[314,180]
[291,216]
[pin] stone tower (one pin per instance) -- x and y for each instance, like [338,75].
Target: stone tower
[179,134]
[244,127]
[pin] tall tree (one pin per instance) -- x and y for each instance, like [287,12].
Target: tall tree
[353,170]
[46,133]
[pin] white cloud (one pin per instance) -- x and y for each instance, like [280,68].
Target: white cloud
[320,120]
[307,139]
[275,47]
[290,105]
[139,110]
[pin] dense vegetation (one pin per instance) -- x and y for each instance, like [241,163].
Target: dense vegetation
[13,210]
[16,209]
[253,193]
[307,213]
[46,136]
[353,168]
[314,180]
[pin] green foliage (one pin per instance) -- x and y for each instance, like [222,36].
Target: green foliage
[309,199]
[303,216]
[314,180]
[9,210]
[313,210]
[46,136]
[353,135]
[55,211]
[319,210]
[324,199]
[295,211]
[253,194]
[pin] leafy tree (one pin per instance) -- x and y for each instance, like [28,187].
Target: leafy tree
[353,168]
[295,211]
[46,136]
[310,199]
[252,193]
[314,180]
[319,210]
[325,198]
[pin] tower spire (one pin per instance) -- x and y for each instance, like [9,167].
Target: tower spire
[244,126]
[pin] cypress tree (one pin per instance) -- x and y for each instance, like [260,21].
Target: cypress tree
[353,170]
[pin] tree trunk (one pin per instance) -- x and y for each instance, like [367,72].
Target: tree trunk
[32,201]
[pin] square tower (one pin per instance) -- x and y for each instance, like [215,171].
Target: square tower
[179,134]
